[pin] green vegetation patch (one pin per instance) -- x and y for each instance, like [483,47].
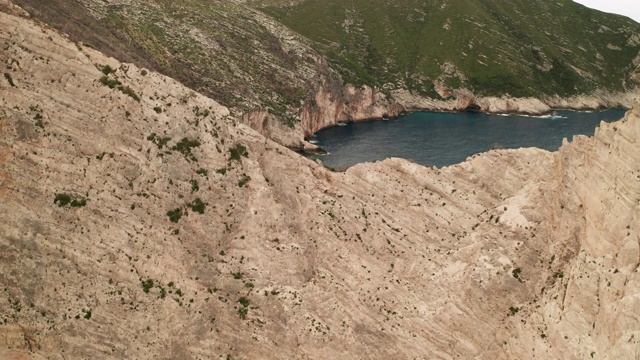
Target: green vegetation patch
[9,79]
[185,146]
[106,70]
[516,273]
[238,151]
[175,214]
[38,119]
[64,199]
[197,205]
[147,285]
[494,47]
[194,185]
[109,82]
[200,113]
[116,84]
[244,301]
[159,141]
[243,312]
[244,180]
[129,92]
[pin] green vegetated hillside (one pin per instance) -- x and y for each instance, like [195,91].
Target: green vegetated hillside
[275,54]
[523,48]
[221,48]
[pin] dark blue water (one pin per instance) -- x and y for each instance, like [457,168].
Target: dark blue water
[443,139]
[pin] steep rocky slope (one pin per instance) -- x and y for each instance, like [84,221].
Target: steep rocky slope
[493,47]
[488,55]
[220,48]
[140,219]
[224,49]
[290,68]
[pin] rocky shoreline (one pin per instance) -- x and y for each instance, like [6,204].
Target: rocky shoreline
[332,106]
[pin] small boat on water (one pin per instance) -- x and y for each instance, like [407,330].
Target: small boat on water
[342,123]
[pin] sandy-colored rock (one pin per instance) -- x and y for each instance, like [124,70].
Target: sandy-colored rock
[518,105]
[266,124]
[595,101]
[511,254]
[333,104]
[463,99]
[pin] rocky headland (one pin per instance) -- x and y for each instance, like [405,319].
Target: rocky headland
[142,219]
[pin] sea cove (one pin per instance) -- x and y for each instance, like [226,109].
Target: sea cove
[443,139]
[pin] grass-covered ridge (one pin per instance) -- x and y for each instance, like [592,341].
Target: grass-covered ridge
[523,48]
[220,48]
[274,55]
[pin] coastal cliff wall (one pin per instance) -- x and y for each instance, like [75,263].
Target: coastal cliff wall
[589,307]
[335,103]
[332,103]
[462,99]
[132,228]
[269,126]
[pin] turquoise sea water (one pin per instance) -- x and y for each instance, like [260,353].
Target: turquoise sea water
[443,139]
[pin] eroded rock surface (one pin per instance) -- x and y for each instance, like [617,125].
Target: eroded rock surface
[200,238]
[462,99]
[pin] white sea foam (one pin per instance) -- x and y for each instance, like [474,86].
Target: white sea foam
[551,116]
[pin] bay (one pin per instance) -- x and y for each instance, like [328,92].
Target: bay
[443,139]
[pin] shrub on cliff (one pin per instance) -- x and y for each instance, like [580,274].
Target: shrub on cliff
[63,199]
[237,151]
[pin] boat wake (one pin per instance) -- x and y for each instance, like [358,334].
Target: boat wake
[550,116]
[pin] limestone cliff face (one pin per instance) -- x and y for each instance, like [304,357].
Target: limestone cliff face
[463,99]
[335,103]
[140,219]
[332,103]
[590,307]
[597,100]
[266,124]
